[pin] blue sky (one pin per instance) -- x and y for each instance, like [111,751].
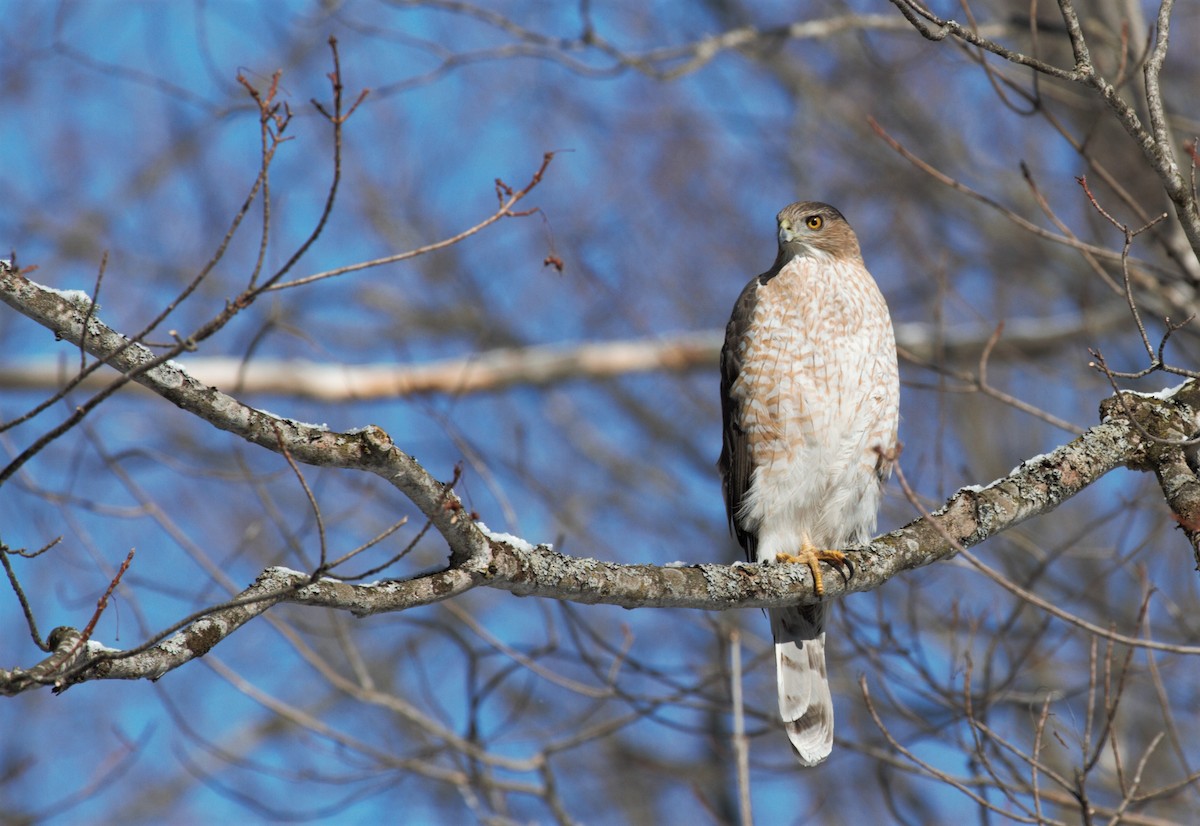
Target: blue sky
[127,132]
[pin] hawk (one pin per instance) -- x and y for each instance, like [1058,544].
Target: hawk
[810,403]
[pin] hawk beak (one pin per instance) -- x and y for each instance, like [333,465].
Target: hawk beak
[785,232]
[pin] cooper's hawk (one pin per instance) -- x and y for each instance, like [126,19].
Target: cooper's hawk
[810,399]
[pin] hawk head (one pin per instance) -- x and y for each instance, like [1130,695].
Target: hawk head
[811,228]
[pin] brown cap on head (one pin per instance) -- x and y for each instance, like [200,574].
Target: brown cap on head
[808,226]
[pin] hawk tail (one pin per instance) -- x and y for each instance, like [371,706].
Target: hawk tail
[805,703]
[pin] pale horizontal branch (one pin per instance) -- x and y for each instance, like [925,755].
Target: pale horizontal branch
[483,372]
[547,364]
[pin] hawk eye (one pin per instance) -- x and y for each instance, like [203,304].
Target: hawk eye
[814,222]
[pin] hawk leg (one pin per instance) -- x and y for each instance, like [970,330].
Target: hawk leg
[812,557]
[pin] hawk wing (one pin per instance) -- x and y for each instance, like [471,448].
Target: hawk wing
[734,464]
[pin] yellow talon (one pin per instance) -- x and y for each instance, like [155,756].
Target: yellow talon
[812,557]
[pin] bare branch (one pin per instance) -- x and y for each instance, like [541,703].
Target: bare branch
[547,364]
[506,209]
[920,17]
[1154,143]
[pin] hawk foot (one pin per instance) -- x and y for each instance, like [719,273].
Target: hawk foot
[812,557]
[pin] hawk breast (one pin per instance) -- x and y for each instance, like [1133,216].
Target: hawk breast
[814,399]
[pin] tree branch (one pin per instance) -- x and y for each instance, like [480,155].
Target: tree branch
[1140,431]
[1154,142]
[546,364]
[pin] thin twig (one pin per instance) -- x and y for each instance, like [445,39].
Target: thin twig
[15,583]
[101,604]
[312,503]
[366,546]
[505,210]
